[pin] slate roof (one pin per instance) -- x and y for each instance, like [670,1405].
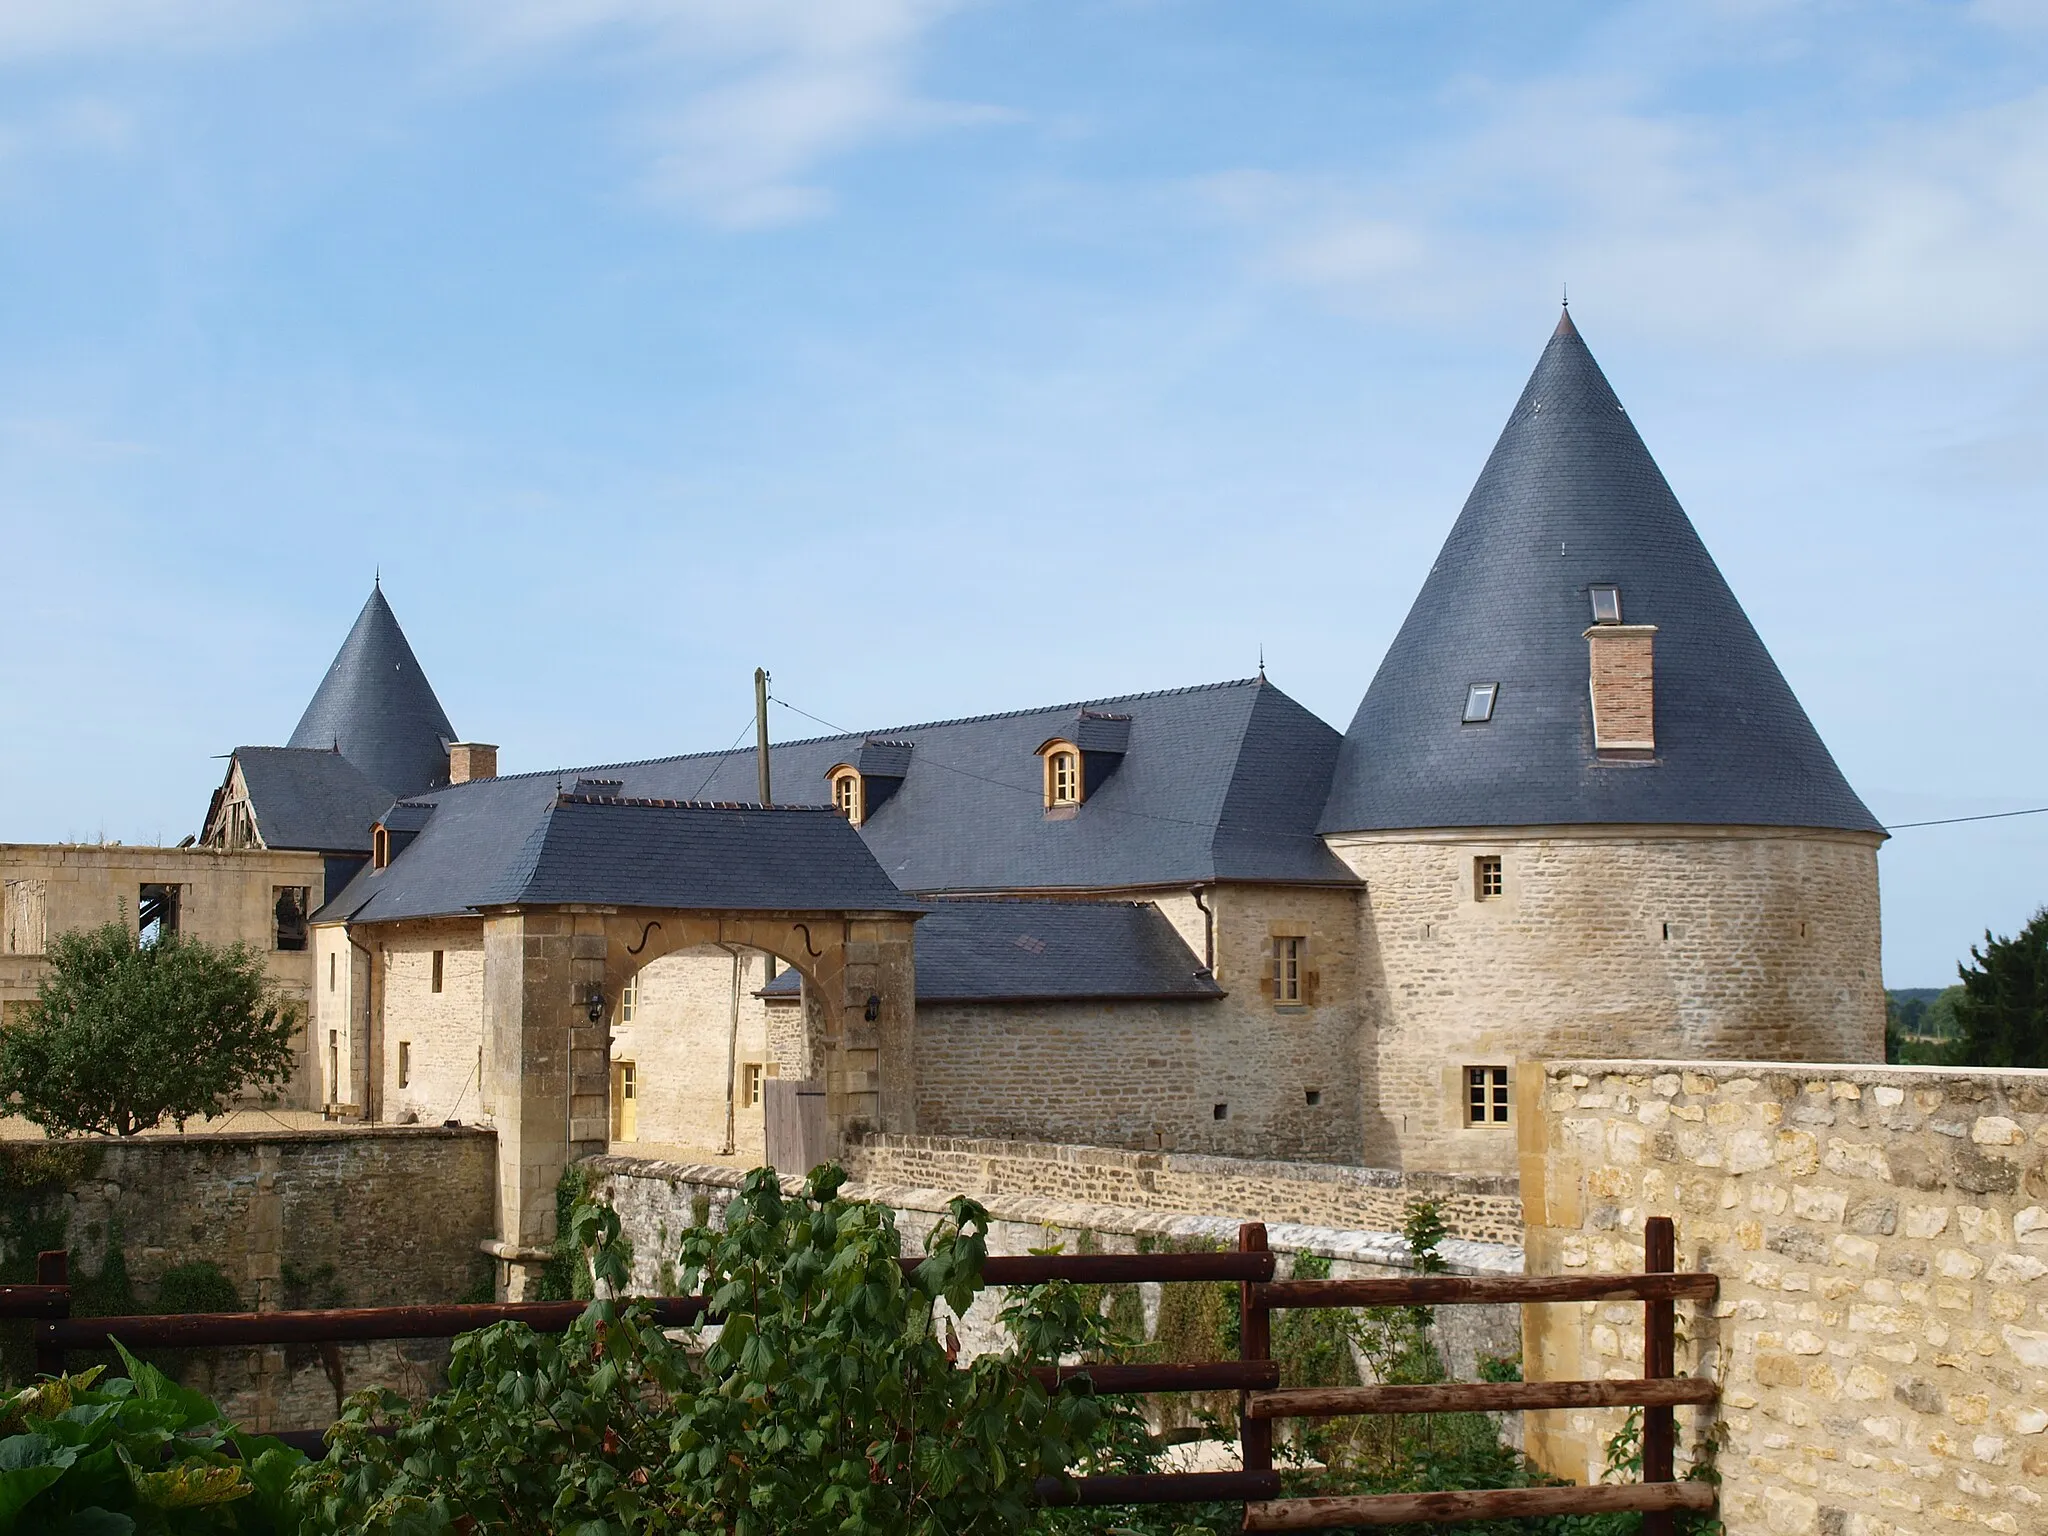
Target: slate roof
[639,853]
[1047,951]
[376,706]
[309,799]
[1571,498]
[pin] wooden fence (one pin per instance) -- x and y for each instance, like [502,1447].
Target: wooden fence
[1254,1376]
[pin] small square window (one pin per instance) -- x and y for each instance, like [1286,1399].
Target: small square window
[1287,970]
[437,969]
[1314,1096]
[1487,880]
[1486,1095]
[1606,605]
[1479,702]
[1221,1112]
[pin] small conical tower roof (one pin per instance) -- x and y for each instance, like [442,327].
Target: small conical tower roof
[376,707]
[1571,499]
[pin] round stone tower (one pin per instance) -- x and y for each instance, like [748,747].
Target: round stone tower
[1591,817]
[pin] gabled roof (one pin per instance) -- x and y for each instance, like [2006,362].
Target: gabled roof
[376,707]
[1569,499]
[304,799]
[1220,782]
[1047,951]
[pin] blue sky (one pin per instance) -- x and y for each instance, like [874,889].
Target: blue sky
[948,357]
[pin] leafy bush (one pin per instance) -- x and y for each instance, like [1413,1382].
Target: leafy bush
[137,1455]
[123,1036]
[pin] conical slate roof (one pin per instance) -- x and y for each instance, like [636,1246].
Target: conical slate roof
[378,709]
[1571,499]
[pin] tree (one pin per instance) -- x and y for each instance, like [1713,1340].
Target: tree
[123,1036]
[2003,1006]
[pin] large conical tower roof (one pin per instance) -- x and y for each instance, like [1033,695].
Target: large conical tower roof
[377,708]
[1571,499]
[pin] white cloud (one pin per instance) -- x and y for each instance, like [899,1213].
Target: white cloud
[740,102]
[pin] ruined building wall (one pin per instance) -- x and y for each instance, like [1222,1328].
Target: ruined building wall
[1732,943]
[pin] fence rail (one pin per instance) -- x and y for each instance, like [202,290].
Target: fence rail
[1254,1376]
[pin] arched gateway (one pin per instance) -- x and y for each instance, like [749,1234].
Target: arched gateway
[600,887]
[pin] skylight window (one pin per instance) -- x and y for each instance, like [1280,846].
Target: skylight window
[1479,702]
[1606,605]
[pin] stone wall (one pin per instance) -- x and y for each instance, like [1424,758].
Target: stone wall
[1478,1208]
[299,1218]
[1737,943]
[1881,1234]
[658,1201]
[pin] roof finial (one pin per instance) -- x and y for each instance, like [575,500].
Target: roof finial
[1567,295]
[377,580]
[1262,661]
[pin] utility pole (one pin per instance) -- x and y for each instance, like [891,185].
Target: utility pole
[761,734]
[767,798]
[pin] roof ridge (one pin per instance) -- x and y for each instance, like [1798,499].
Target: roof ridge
[927,725]
[690,805]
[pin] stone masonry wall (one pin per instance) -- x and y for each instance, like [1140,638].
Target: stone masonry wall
[1734,943]
[1881,1234]
[657,1201]
[1479,1208]
[393,1216]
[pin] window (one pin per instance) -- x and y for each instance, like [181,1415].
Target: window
[289,908]
[405,1063]
[1479,699]
[625,1102]
[629,999]
[24,922]
[751,1076]
[1486,1095]
[1487,880]
[1062,777]
[1287,970]
[157,912]
[334,1066]
[1221,1112]
[1314,1096]
[846,795]
[380,848]
[438,970]
[1606,605]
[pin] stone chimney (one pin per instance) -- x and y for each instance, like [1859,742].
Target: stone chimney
[471,760]
[1623,688]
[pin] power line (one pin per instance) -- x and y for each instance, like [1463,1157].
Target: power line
[728,752]
[1949,821]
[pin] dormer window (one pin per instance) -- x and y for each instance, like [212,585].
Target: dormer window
[846,792]
[1479,699]
[380,848]
[1606,605]
[1062,774]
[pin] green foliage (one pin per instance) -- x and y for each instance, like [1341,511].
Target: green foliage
[137,1454]
[197,1287]
[1920,1027]
[566,1276]
[124,1036]
[824,1402]
[2003,1010]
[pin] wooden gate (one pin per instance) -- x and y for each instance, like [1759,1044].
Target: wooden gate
[793,1114]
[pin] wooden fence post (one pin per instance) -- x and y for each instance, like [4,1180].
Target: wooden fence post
[53,1267]
[1660,1359]
[1254,1342]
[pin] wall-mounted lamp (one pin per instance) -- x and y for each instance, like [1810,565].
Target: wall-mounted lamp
[593,1007]
[873,1011]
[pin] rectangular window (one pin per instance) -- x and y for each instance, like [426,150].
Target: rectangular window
[437,970]
[750,1084]
[334,1066]
[405,1063]
[629,999]
[288,906]
[1487,881]
[1063,778]
[1486,1095]
[1287,970]
[330,969]
[156,911]
[1479,702]
[1606,605]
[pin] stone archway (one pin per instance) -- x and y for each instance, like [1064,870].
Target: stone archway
[549,968]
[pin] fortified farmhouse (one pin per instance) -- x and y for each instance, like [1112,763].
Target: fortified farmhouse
[1578,813]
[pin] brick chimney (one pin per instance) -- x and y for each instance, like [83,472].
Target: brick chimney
[471,760]
[1623,688]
